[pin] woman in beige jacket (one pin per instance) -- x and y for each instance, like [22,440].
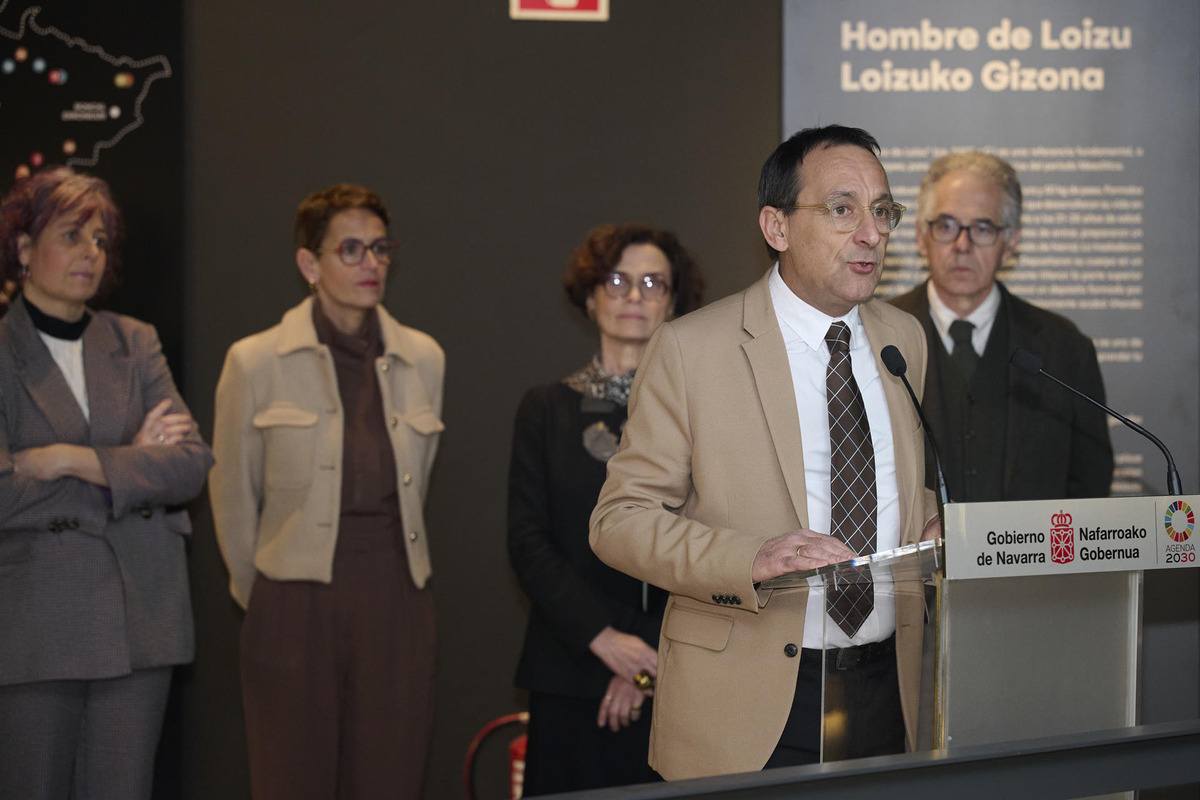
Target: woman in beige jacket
[326,428]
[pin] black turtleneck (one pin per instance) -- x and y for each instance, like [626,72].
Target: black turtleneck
[53,326]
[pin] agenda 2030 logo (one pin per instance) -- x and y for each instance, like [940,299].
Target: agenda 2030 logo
[1179,523]
[1062,538]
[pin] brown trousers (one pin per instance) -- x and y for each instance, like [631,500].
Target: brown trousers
[337,679]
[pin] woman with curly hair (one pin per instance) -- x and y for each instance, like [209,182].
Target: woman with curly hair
[589,655]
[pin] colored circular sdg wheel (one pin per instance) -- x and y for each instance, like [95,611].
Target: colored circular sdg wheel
[1180,521]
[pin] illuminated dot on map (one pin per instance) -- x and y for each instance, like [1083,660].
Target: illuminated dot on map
[9,66]
[57,77]
[22,172]
[37,159]
[20,54]
[39,65]
[69,146]
[123,80]
[114,112]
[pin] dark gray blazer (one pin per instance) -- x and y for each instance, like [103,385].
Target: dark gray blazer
[1056,445]
[93,583]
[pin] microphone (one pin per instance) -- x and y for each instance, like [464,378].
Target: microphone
[1031,364]
[895,363]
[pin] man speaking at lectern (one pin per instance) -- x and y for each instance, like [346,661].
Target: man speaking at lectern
[1002,434]
[765,437]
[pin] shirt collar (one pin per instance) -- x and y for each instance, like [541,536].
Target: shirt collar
[801,321]
[359,344]
[297,332]
[982,317]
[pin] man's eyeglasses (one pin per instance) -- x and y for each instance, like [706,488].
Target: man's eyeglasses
[353,251]
[846,217]
[981,232]
[651,287]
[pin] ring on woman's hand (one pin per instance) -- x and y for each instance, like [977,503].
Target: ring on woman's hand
[798,551]
[161,438]
[608,698]
[643,681]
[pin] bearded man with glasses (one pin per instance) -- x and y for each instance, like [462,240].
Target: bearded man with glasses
[1002,434]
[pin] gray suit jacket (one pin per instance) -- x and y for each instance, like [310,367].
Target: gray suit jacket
[1056,445]
[93,583]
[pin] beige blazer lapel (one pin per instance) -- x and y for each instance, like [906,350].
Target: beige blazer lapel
[768,359]
[108,373]
[38,372]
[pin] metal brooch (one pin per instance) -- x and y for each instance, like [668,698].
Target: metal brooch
[600,441]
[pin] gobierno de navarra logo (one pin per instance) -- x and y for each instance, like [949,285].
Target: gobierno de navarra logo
[1062,538]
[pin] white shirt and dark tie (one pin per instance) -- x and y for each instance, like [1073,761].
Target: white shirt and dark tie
[947,323]
[804,330]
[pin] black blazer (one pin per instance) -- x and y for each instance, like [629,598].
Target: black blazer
[553,483]
[93,583]
[1056,445]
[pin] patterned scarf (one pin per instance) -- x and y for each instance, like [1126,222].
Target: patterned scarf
[593,381]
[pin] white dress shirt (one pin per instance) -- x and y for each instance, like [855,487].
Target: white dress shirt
[982,318]
[68,354]
[804,329]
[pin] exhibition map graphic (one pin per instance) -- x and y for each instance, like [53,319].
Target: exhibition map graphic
[63,99]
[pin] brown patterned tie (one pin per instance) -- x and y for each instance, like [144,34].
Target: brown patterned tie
[852,476]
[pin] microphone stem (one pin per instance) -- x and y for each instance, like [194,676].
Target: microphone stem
[1174,486]
[941,478]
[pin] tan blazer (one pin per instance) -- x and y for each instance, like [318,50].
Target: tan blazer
[277,437]
[710,467]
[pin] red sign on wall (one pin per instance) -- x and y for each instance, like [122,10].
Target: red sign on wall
[562,10]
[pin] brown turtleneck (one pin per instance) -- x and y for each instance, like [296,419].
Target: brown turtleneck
[368,466]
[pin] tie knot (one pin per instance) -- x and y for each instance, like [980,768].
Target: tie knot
[838,337]
[960,331]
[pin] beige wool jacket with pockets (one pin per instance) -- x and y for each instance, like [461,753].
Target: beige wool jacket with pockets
[277,439]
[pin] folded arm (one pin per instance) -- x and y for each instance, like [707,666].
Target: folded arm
[29,502]
[158,473]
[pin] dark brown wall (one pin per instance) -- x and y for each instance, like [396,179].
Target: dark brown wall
[497,145]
